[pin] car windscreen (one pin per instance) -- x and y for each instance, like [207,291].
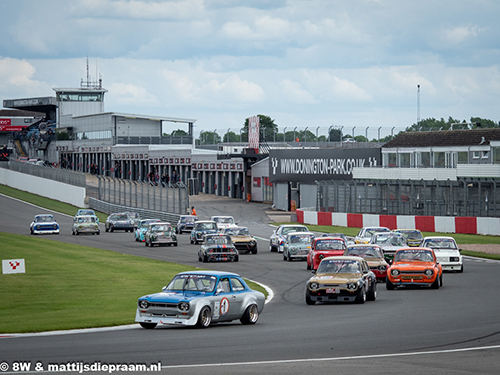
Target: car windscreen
[218,240]
[413,256]
[329,245]
[370,252]
[442,243]
[199,283]
[339,266]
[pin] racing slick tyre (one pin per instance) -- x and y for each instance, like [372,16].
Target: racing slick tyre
[289,257]
[435,284]
[107,229]
[372,295]
[175,243]
[236,258]
[146,243]
[309,301]
[199,258]
[388,284]
[272,249]
[461,270]
[254,251]
[284,256]
[441,280]
[205,317]
[147,325]
[361,297]
[98,233]
[308,267]
[192,242]
[77,233]
[205,259]
[72,232]
[251,315]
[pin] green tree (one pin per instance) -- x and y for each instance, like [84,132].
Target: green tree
[231,137]
[179,133]
[334,135]
[267,128]
[209,138]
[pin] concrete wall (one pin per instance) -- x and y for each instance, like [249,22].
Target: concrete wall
[443,224]
[46,188]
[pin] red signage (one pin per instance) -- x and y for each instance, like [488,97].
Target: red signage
[6,126]
[4,121]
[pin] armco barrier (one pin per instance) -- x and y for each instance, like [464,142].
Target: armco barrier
[444,224]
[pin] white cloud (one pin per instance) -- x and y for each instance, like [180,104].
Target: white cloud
[459,34]
[17,73]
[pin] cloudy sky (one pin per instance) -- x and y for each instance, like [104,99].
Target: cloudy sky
[304,63]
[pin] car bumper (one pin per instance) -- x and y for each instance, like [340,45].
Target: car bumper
[170,320]
[455,266]
[409,281]
[343,296]
[46,231]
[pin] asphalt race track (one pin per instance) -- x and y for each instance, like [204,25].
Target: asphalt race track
[453,330]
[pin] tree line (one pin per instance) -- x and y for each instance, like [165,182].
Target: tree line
[270,132]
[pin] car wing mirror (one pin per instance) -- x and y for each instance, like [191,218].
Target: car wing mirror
[164,288]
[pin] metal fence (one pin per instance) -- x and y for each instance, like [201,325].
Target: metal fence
[109,208]
[172,198]
[466,197]
[57,174]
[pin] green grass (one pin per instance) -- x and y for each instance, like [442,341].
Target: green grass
[480,254]
[44,202]
[71,286]
[460,238]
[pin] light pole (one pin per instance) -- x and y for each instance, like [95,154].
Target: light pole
[330,134]
[353,132]
[227,135]
[305,135]
[284,134]
[294,134]
[317,140]
[341,128]
[392,132]
[215,130]
[366,133]
[379,133]
[241,139]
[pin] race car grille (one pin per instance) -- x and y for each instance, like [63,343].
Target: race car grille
[155,304]
[412,272]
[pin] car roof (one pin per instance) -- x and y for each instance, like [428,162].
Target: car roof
[408,230]
[40,215]
[438,237]
[210,273]
[343,257]
[361,245]
[299,233]
[205,221]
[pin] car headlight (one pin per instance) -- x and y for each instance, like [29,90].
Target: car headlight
[395,272]
[321,256]
[429,272]
[454,259]
[183,306]
[38,227]
[352,286]
[143,304]
[252,243]
[314,286]
[382,268]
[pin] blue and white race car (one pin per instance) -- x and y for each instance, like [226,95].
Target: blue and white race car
[141,229]
[44,224]
[200,298]
[277,240]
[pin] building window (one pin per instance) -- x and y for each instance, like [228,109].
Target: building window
[496,155]
[475,155]
[485,154]
[392,159]
[425,159]
[404,160]
[439,159]
[463,157]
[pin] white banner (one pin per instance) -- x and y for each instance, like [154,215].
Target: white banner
[253,132]
[13,266]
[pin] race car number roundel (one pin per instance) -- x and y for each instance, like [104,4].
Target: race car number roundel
[224,306]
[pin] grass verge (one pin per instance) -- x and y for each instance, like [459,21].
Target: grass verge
[71,286]
[480,254]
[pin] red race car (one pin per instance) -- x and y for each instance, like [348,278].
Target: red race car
[323,247]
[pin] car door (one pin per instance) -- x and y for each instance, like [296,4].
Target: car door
[228,302]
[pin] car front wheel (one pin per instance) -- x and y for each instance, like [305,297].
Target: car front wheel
[309,301]
[372,295]
[205,317]
[388,284]
[147,325]
[251,315]
[361,297]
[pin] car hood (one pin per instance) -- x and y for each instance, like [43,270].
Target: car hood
[438,251]
[413,265]
[328,252]
[336,278]
[174,296]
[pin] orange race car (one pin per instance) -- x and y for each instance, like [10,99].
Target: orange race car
[415,266]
